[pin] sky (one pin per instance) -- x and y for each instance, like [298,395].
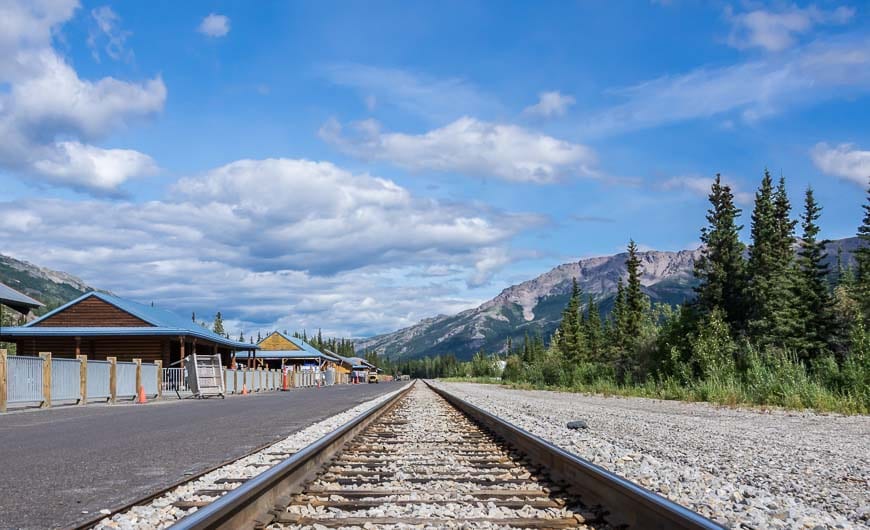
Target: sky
[358,166]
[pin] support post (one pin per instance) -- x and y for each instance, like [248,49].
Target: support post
[46,380]
[113,378]
[159,365]
[181,350]
[138,363]
[83,379]
[4,385]
[78,346]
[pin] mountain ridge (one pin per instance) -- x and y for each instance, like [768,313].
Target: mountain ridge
[536,305]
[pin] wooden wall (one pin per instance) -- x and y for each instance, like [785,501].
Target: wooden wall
[148,349]
[92,312]
[275,342]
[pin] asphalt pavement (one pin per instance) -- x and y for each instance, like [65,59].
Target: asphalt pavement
[56,464]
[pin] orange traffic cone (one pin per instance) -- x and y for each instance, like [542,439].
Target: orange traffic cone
[244,390]
[141,398]
[285,385]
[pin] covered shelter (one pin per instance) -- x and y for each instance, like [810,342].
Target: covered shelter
[357,367]
[278,350]
[101,325]
[17,301]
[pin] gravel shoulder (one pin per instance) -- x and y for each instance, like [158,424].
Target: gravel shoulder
[759,469]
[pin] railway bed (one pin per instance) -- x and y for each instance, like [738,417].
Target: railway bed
[426,459]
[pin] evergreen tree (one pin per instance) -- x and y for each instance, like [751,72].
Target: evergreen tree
[617,318]
[861,287]
[774,312]
[813,293]
[241,336]
[594,333]
[218,326]
[635,302]
[259,338]
[570,337]
[193,316]
[721,269]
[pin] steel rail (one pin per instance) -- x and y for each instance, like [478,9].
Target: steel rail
[626,502]
[244,506]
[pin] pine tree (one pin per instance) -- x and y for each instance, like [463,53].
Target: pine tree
[774,312]
[861,287]
[259,338]
[721,269]
[570,339]
[635,302]
[193,316]
[813,295]
[241,336]
[594,336]
[617,317]
[218,326]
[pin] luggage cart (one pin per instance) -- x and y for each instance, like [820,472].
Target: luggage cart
[205,376]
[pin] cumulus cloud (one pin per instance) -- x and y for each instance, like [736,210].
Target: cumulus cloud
[214,25]
[549,104]
[266,240]
[700,186]
[106,32]
[779,30]
[753,90]
[844,161]
[49,116]
[469,146]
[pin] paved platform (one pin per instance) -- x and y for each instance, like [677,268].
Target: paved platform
[56,463]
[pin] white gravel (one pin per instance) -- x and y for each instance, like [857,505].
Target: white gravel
[160,513]
[741,468]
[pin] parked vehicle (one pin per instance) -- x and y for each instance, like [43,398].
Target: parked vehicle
[373,378]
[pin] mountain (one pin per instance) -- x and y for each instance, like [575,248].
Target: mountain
[536,305]
[50,287]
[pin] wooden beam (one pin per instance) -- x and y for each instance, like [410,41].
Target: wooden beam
[181,350]
[83,378]
[3,381]
[46,380]
[113,378]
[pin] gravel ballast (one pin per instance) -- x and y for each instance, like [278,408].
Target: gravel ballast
[758,469]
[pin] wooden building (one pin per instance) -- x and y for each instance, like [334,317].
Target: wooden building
[278,350]
[101,325]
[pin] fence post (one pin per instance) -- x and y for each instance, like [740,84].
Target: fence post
[226,375]
[159,364]
[3,383]
[138,376]
[262,388]
[46,380]
[83,379]
[113,378]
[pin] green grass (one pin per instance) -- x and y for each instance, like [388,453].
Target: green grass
[794,394]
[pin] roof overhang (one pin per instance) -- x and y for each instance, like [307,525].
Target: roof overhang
[143,331]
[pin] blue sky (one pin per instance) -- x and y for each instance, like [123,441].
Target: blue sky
[359,166]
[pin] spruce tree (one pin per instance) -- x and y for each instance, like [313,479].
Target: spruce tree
[570,338]
[813,294]
[721,269]
[594,336]
[218,326]
[635,302]
[861,287]
[241,336]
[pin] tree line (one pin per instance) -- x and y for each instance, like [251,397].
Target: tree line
[771,321]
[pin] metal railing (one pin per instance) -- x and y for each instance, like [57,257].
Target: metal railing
[125,379]
[174,379]
[98,382]
[230,379]
[24,379]
[66,379]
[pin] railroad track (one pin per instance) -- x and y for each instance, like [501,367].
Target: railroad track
[426,459]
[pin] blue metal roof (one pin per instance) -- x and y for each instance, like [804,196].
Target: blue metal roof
[17,301]
[164,323]
[354,362]
[302,345]
[285,354]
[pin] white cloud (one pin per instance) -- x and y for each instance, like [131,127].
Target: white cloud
[469,146]
[549,104]
[214,25]
[433,98]
[845,161]
[779,30]
[700,186]
[106,26]
[48,112]
[296,242]
[818,72]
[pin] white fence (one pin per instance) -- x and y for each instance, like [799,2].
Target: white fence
[40,380]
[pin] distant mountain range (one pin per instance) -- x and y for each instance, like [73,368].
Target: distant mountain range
[50,287]
[536,305]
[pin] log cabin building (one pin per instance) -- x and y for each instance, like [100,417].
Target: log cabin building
[101,325]
[278,350]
